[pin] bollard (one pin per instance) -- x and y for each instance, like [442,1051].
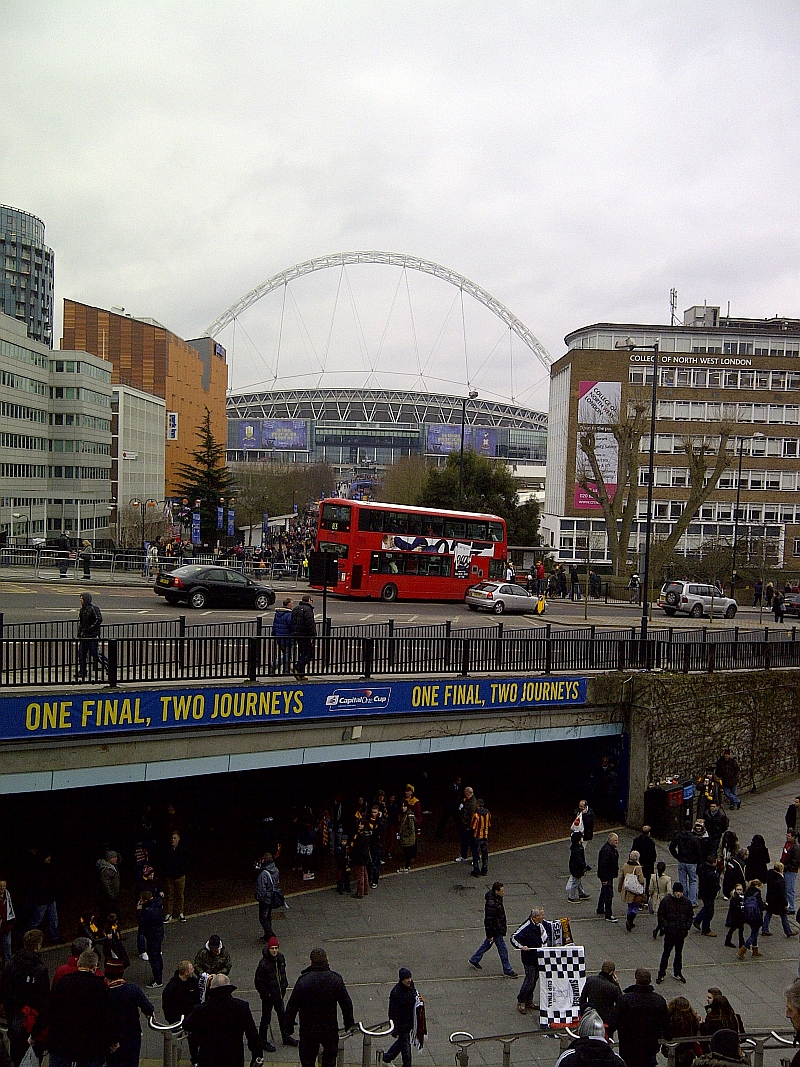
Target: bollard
[462,1056]
[465,650]
[259,625]
[113,661]
[181,626]
[253,658]
[507,1052]
[711,659]
[366,1051]
[758,1051]
[368,653]
[687,653]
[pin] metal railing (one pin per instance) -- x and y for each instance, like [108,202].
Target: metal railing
[170,658]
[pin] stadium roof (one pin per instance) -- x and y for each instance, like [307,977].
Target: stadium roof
[378,406]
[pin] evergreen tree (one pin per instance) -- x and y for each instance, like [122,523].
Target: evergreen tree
[206,480]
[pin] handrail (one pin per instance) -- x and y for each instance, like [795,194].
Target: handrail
[376,1033]
[170,1027]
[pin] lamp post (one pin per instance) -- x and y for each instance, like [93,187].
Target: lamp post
[756,436]
[143,505]
[632,346]
[472,396]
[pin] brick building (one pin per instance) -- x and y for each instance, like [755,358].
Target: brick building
[189,376]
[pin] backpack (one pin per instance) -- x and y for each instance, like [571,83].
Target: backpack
[752,912]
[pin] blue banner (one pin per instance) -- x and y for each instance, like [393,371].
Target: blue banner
[265,523]
[231,523]
[284,434]
[77,714]
[220,517]
[442,439]
[195,527]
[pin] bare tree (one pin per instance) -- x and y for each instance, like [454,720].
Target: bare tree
[404,481]
[706,454]
[619,507]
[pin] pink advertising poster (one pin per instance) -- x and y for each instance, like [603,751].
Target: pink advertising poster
[598,405]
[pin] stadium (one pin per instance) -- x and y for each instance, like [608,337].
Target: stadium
[364,426]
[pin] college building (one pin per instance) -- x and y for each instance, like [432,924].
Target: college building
[712,370]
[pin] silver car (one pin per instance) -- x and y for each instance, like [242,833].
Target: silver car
[503,596]
[696,599]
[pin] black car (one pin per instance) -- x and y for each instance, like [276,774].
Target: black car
[791,604]
[221,586]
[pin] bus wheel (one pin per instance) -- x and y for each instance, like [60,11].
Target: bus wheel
[389,592]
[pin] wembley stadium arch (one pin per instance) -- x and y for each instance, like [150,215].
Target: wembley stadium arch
[361,431]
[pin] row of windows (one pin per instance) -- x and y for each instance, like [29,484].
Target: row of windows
[675,444]
[24,355]
[694,536]
[74,366]
[716,511]
[74,392]
[678,477]
[87,447]
[703,378]
[17,381]
[85,473]
[21,440]
[90,422]
[710,411]
[23,470]
[412,563]
[762,346]
[22,411]
[396,522]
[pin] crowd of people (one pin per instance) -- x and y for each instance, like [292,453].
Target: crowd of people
[360,839]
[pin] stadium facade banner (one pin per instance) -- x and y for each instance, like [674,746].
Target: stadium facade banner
[117,712]
[283,435]
[441,440]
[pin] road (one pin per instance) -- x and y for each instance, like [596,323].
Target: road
[32,600]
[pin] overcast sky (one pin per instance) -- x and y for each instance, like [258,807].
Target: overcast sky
[577,160]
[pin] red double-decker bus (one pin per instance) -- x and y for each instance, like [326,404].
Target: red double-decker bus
[392,551]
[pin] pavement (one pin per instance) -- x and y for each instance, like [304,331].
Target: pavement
[431,920]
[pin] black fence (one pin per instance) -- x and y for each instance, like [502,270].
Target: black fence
[55,661]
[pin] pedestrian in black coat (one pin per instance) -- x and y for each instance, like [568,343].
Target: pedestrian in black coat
[602,992]
[402,1005]
[757,863]
[126,1002]
[675,916]
[304,630]
[220,1024]
[80,1015]
[25,983]
[776,901]
[180,997]
[150,913]
[642,1019]
[735,917]
[495,925]
[316,995]
[648,855]
[607,871]
[271,985]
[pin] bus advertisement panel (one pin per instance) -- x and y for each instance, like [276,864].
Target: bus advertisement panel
[392,551]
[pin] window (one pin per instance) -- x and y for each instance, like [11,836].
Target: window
[336,517]
[796,547]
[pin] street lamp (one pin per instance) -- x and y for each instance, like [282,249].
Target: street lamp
[736,509]
[143,505]
[472,396]
[631,345]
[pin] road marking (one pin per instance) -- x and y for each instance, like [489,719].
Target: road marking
[365,617]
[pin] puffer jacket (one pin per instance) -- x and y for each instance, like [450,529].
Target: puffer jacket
[494,916]
[282,623]
[108,873]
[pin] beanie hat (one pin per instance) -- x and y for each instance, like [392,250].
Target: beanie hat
[273,941]
[726,1043]
[404,973]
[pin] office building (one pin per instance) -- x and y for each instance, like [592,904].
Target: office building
[712,369]
[138,422]
[55,436]
[189,376]
[26,291]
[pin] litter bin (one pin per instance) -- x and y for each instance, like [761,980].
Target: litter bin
[663,810]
